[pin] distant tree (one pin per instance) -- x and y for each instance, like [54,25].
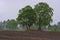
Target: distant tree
[26,16]
[54,27]
[11,24]
[58,25]
[44,14]
[1,25]
[4,25]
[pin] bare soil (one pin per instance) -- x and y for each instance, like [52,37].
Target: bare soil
[29,35]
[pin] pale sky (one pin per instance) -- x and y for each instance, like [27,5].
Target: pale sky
[9,8]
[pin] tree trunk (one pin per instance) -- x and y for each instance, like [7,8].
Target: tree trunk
[39,28]
[29,27]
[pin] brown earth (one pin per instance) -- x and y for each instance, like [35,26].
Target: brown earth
[29,35]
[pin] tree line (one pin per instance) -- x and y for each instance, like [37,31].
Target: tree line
[39,16]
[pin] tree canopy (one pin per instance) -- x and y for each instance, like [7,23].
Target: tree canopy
[44,14]
[26,16]
[41,15]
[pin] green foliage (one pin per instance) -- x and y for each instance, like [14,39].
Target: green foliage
[44,14]
[26,16]
[54,29]
[40,15]
[11,24]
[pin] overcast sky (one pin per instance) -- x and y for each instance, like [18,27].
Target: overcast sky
[9,8]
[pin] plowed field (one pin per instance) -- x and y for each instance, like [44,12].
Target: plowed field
[29,35]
